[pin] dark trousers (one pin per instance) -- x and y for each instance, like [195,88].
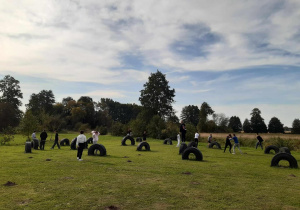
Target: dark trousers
[56,142]
[228,144]
[196,140]
[259,143]
[81,146]
[183,136]
[42,144]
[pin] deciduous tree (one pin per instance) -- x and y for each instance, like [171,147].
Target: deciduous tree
[190,114]
[296,126]
[275,126]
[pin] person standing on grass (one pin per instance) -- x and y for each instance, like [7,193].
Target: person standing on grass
[144,136]
[209,139]
[178,140]
[56,141]
[236,144]
[33,135]
[228,143]
[196,138]
[182,131]
[259,141]
[95,135]
[80,144]
[43,136]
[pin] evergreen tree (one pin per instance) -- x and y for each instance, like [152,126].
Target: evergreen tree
[205,111]
[275,126]
[235,124]
[257,122]
[247,126]
[296,126]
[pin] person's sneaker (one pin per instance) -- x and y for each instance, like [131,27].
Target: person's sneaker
[77,158]
[80,159]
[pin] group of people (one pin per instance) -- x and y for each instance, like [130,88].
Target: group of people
[80,143]
[182,133]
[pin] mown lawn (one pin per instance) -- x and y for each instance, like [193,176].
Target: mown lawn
[130,179]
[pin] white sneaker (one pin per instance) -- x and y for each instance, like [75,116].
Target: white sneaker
[77,158]
[80,159]
[233,153]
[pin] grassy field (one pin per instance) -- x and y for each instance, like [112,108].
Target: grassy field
[156,179]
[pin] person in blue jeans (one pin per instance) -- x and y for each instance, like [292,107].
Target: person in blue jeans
[236,144]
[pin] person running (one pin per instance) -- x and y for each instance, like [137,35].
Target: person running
[259,141]
[228,143]
[95,135]
[80,144]
[178,140]
[43,136]
[56,141]
[236,144]
[196,138]
[182,131]
[209,139]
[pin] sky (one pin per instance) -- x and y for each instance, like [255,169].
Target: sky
[236,55]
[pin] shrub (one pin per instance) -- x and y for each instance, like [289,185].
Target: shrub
[118,129]
[7,135]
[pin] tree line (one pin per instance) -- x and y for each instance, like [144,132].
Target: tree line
[155,114]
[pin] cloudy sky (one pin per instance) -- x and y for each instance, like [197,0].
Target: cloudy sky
[235,55]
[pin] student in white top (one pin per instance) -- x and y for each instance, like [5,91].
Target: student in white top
[196,137]
[95,135]
[178,140]
[80,144]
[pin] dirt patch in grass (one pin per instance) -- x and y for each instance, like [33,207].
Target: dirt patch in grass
[111,207]
[129,161]
[292,175]
[187,173]
[9,183]
[25,202]
[48,159]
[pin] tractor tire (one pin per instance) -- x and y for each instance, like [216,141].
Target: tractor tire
[271,147]
[73,144]
[284,156]
[214,143]
[65,142]
[28,147]
[192,144]
[128,137]
[182,147]
[285,150]
[97,149]
[143,144]
[193,150]
[35,144]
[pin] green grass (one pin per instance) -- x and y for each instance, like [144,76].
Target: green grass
[157,179]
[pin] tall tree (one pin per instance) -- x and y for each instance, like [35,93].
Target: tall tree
[157,95]
[205,111]
[235,124]
[10,100]
[190,114]
[87,105]
[43,101]
[275,126]
[257,122]
[221,122]
[296,126]
[247,128]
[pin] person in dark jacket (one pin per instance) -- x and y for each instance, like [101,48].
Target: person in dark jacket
[259,141]
[228,143]
[43,136]
[182,131]
[56,141]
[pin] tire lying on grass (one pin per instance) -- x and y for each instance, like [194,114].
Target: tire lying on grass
[128,137]
[271,147]
[192,144]
[143,144]
[28,147]
[182,147]
[65,142]
[212,144]
[90,140]
[97,149]
[284,156]
[285,150]
[168,141]
[35,144]
[198,155]
[73,144]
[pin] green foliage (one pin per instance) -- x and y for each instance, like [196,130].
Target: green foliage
[279,142]
[28,124]
[171,130]
[275,126]
[102,129]
[44,100]
[190,114]
[247,126]
[257,122]
[296,126]
[118,129]
[155,127]
[7,135]
[235,124]
[157,95]
[190,132]
[82,127]
[205,111]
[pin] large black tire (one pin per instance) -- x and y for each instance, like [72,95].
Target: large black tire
[182,147]
[168,141]
[28,147]
[73,144]
[128,137]
[65,142]
[284,156]
[195,151]
[271,147]
[214,143]
[192,144]
[285,150]
[97,149]
[138,139]
[143,144]
[90,140]
[35,144]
